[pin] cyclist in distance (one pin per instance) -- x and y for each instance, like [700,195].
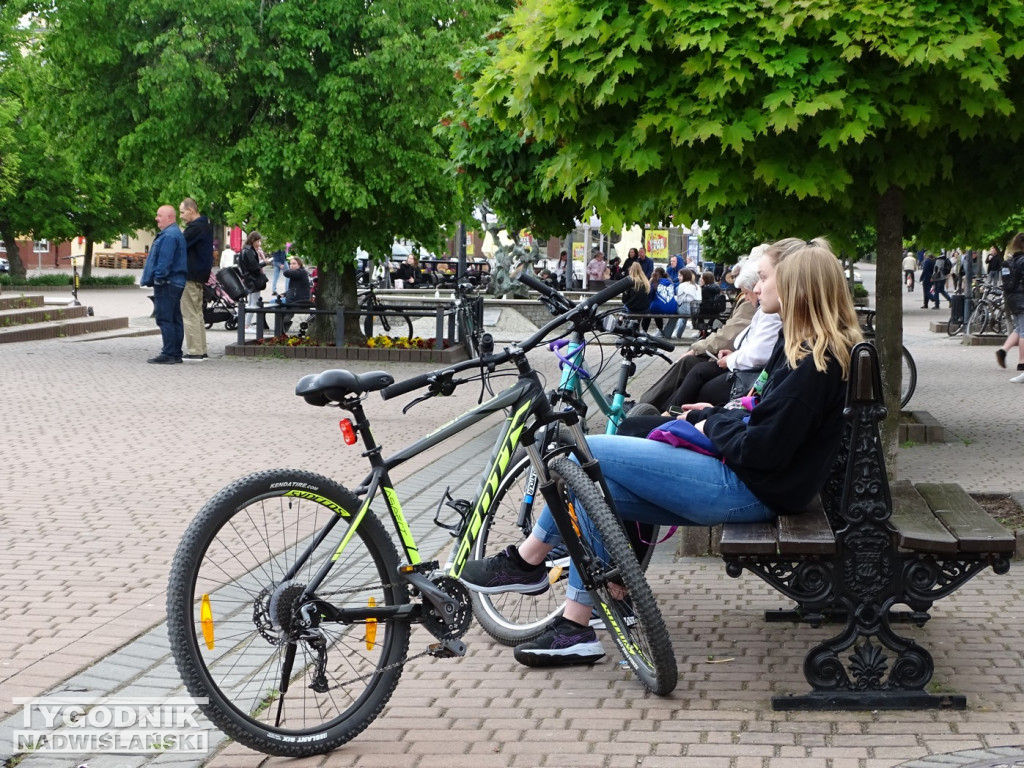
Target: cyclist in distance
[746,465]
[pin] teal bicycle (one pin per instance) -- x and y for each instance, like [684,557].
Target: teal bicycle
[513,618]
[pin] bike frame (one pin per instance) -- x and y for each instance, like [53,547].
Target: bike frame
[576,377]
[523,400]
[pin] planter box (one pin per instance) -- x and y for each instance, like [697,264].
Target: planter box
[427,356]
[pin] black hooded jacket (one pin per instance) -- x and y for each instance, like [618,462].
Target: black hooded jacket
[199,248]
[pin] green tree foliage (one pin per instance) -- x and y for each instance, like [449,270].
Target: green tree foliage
[820,116]
[62,188]
[9,102]
[318,116]
[497,163]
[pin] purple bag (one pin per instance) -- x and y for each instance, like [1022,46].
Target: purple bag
[682,434]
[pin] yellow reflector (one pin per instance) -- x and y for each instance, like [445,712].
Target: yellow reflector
[206,620]
[554,574]
[371,628]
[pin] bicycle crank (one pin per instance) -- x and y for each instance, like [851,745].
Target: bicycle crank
[448,619]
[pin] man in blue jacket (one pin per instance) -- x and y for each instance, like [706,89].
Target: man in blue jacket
[165,271]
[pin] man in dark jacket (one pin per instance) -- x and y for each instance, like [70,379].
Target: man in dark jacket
[927,267]
[199,244]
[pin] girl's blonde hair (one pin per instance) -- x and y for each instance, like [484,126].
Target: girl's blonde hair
[818,317]
[636,273]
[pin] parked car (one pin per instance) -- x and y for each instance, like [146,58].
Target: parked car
[5,266]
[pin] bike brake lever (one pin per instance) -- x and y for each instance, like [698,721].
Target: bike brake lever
[419,399]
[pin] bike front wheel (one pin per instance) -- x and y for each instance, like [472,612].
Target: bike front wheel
[615,580]
[235,621]
[513,618]
[470,333]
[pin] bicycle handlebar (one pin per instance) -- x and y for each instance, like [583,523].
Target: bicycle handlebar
[659,342]
[578,311]
[546,291]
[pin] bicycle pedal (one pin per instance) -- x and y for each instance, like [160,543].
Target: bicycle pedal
[447,649]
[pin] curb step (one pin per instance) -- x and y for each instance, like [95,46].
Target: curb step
[60,328]
[127,332]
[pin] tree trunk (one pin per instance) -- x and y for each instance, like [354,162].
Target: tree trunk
[13,256]
[87,258]
[889,314]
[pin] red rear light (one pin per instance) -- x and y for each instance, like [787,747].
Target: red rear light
[347,431]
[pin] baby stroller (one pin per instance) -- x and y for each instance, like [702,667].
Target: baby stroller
[218,306]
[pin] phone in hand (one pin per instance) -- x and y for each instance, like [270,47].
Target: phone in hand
[675,410]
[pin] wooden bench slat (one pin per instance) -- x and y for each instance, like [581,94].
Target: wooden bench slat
[966,519]
[807,533]
[913,519]
[748,539]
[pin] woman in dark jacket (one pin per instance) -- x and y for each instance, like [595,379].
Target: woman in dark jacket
[251,262]
[770,460]
[637,298]
[298,294]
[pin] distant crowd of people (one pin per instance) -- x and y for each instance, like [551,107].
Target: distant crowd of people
[1002,270]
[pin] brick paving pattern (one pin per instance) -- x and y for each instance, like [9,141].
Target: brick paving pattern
[107,459]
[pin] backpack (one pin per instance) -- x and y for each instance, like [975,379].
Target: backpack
[1013,279]
[712,300]
[942,268]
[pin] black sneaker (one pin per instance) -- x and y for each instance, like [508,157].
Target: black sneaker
[505,572]
[563,642]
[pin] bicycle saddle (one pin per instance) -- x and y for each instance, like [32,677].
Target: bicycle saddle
[335,385]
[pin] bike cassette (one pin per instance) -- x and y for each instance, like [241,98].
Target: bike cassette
[456,625]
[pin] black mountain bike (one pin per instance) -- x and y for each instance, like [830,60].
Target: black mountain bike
[374,310]
[289,609]
[469,317]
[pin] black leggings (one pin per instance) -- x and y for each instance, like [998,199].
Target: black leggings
[705,383]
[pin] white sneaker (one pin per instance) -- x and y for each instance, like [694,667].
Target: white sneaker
[1019,378]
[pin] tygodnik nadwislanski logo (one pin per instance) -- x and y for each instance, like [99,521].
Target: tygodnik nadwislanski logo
[127,726]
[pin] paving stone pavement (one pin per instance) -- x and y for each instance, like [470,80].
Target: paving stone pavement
[106,459]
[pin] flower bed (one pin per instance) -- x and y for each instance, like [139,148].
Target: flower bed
[385,348]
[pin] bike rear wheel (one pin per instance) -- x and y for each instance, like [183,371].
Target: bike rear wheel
[615,580]
[979,320]
[909,379]
[234,617]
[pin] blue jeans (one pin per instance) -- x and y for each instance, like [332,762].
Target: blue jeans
[653,482]
[167,310]
[278,269]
